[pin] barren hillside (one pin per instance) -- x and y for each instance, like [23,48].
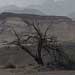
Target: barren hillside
[60,26]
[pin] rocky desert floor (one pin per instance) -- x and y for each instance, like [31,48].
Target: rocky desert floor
[14,72]
[34,70]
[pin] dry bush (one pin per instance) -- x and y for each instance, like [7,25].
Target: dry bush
[10,66]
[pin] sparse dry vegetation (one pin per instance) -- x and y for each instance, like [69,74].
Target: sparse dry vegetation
[10,66]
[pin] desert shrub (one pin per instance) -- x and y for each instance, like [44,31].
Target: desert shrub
[10,66]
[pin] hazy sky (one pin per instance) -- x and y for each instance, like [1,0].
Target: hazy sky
[57,7]
[21,2]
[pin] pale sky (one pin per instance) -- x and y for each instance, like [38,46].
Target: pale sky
[57,7]
[20,2]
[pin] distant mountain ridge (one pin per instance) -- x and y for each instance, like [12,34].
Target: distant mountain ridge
[34,15]
[72,15]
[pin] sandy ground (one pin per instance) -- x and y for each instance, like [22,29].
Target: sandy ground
[33,70]
[6,72]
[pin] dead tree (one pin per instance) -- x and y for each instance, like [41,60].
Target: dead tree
[43,42]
